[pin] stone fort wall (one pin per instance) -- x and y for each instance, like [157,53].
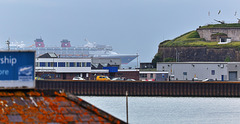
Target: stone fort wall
[233,33]
[199,54]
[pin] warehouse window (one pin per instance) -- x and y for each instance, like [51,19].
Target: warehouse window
[54,64]
[83,64]
[213,72]
[49,64]
[151,76]
[88,64]
[61,64]
[79,64]
[184,73]
[72,64]
[143,75]
[42,64]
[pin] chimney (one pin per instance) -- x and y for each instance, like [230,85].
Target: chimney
[39,42]
[65,43]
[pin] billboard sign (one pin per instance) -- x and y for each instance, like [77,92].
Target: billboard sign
[17,69]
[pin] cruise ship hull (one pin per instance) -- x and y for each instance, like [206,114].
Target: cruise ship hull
[125,59]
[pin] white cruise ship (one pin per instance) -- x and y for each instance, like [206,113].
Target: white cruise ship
[90,50]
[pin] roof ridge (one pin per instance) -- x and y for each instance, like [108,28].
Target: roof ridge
[94,109]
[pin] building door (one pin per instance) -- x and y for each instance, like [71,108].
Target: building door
[232,75]
[84,75]
[64,76]
[222,77]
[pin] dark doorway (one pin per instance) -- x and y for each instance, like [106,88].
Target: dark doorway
[64,76]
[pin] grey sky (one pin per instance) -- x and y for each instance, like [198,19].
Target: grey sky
[129,26]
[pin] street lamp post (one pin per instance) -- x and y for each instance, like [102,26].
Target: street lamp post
[8,43]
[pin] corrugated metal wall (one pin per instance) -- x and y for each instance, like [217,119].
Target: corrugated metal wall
[110,88]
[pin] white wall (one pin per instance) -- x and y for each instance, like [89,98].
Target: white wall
[64,69]
[194,69]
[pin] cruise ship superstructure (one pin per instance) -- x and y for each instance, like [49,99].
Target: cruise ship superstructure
[90,50]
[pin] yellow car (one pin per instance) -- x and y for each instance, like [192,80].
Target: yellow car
[102,78]
[38,78]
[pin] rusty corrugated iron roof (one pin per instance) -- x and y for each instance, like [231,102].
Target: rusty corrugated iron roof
[49,106]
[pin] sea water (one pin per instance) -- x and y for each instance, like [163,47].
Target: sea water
[171,110]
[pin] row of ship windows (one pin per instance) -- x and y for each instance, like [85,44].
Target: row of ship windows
[63,64]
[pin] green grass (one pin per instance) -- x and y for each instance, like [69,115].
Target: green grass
[193,34]
[190,36]
[192,39]
[221,25]
[183,40]
[202,44]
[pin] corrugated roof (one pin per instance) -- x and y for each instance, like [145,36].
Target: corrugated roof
[45,106]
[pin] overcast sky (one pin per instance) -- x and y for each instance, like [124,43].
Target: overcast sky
[129,26]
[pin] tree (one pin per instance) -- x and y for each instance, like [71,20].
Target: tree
[157,58]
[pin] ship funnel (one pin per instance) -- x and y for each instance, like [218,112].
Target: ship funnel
[39,43]
[65,43]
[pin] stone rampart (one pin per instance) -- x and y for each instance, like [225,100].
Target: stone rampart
[233,33]
[204,54]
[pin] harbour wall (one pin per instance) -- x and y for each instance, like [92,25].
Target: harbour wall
[140,88]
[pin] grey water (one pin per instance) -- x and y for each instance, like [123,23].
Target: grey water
[170,110]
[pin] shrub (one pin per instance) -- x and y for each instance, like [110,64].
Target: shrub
[157,58]
[227,59]
[169,59]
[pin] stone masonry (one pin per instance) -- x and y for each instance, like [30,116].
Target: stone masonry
[233,33]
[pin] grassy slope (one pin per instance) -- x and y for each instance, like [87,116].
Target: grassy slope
[235,25]
[192,38]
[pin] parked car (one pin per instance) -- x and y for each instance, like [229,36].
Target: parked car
[195,79]
[207,80]
[38,78]
[117,79]
[78,78]
[130,80]
[102,78]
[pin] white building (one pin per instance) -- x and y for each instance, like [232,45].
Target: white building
[153,76]
[201,70]
[63,68]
